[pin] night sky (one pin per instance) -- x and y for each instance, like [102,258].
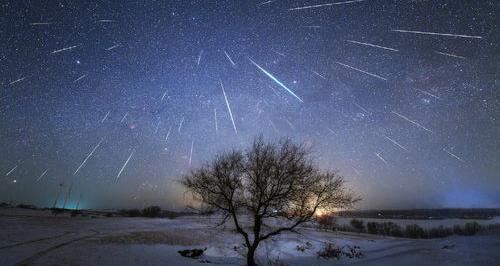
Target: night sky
[116,99]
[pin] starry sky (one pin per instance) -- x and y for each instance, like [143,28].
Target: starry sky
[107,103]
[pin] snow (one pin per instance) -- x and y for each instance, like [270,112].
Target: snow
[37,238]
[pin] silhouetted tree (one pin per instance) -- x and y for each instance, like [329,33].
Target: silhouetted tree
[267,181]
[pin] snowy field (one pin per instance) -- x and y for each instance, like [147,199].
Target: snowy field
[37,238]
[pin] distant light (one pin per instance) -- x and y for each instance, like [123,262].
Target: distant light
[14,181]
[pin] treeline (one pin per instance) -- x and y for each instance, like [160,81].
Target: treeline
[153,212]
[409,231]
[448,213]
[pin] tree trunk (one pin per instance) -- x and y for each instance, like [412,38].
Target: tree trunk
[250,257]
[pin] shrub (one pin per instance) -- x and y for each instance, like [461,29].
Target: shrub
[415,231]
[372,227]
[132,213]
[330,251]
[191,253]
[471,228]
[152,211]
[358,225]
[440,231]
[304,247]
[326,222]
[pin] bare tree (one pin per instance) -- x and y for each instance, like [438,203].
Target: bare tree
[269,181]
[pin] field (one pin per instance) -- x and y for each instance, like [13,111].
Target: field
[34,237]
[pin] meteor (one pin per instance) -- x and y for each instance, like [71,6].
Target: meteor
[413,122]
[428,93]
[381,158]
[168,134]
[362,71]
[275,79]
[451,55]
[65,49]
[199,58]
[318,74]
[191,152]
[42,175]
[17,80]
[106,116]
[439,34]
[278,53]
[373,45]
[327,4]
[40,23]
[123,118]
[229,58]
[215,121]
[112,47]
[395,143]
[453,155]
[81,77]
[180,125]
[11,170]
[228,108]
[124,165]
[88,156]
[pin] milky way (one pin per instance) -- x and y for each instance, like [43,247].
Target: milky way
[105,104]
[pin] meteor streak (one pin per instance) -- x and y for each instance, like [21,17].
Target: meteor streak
[362,71]
[106,116]
[215,121]
[123,118]
[428,93]
[11,170]
[413,122]
[229,108]
[88,156]
[168,134]
[381,158]
[191,152]
[318,74]
[323,5]
[453,155]
[17,80]
[395,143]
[275,79]
[229,58]
[180,125]
[42,175]
[199,58]
[65,49]
[439,34]
[40,23]
[112,47]
[374,45]
[451,55]
[124,165]
[81,77]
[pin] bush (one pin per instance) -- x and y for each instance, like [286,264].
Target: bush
[415,231]
[152,211]
[471,228]
[329,250]
[191,253]
[132,213]
[440,231]
[358,225]
[372,227]
[326,222]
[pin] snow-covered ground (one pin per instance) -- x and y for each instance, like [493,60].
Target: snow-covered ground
[37,238]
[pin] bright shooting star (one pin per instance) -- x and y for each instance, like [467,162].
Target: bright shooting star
[168,134]
[323,5]
[105,117]
[362,71]
[112,47]
[428,93]
[106,21]
[229,58]
[439,34]
[374,45]
[180,125]
[124,165]
[451,55]
[81,77]
[381,158]
[275,79]
[123,118]
[11,170]
[229,108]
[413,122]
[215,121]
[17,80]
[395,143]
[318,74]
[65,49]
[199,58]
[88,156]
[40,23]
[191,152]
[42,175]
[265,3]
[453,155]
